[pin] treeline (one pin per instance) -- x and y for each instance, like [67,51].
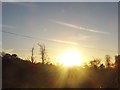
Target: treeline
[19,73]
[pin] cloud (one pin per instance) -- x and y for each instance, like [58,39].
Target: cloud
[7,26]
[61,41]
[84,37]
[78,27]
[45,39]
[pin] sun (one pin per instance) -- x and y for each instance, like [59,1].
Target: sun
[71,58]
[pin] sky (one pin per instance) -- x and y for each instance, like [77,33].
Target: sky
[90,27]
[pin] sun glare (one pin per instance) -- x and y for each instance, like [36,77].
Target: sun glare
[71,58]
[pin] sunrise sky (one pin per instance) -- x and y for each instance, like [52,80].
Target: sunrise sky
[91,28]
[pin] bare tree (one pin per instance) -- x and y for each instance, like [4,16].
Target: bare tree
[43,53]
[32,56]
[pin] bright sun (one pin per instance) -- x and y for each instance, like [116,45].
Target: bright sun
[71,58]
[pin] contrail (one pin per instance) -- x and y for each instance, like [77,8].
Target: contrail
[56,41]
[61,41]
[51,40]
[78,27]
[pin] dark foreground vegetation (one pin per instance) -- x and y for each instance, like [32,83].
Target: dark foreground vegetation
[18,73]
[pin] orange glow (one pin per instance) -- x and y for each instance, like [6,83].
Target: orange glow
[71,58]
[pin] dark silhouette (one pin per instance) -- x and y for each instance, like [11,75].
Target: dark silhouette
[102,66]
[43,53]
[18,73]
[32,56]
[117,61]
[95,63]
[108,64]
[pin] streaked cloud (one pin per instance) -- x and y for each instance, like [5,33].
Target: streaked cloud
[78,27]
[7,26]
[43,39]
[84,37]
[64,42]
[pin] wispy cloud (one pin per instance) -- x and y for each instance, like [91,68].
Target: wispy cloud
[7,26]
[62,41]
[78,27]
[43,39]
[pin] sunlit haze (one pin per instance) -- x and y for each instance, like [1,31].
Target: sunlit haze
[71,58]
[92,28]
[59,44]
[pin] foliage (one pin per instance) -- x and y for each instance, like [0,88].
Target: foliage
[95,62]
[108,61]
[18,73]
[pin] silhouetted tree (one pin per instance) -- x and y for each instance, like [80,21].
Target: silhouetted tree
[101,66]
[108,61]
[14,56]
[32,56]
[117,61]
[43,53]
[49,76]
[95,63]
[7,56]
